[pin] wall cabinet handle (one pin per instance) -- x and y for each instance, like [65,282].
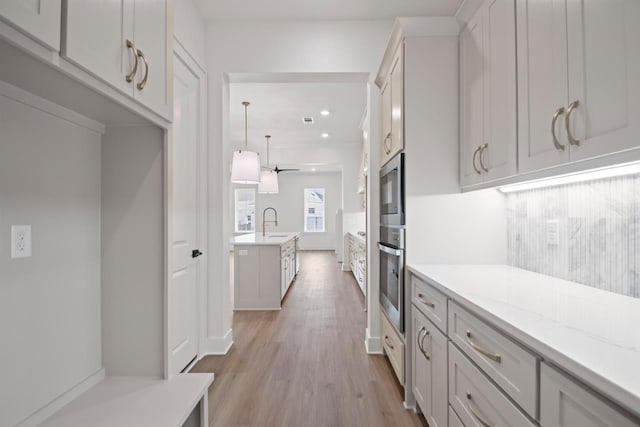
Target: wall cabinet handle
[473,161]
[483,148]
[129,77]
[493,356]
[554,120]
[425,302]
[384,143]
[567,123]
[422,329]
[474,413]
[386,340]
[143,82]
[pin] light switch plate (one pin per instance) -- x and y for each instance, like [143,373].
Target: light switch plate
[20,241]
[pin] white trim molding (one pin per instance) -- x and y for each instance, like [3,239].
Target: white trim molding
[373,344]
[219,346]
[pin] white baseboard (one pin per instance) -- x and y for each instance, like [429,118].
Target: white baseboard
[373,344]
[55,405]
[219,346]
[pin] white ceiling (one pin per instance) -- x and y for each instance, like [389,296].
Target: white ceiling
[256,10]
[277,109]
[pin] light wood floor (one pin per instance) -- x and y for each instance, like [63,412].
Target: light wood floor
[306,365]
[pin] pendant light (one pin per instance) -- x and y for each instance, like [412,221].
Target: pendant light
[245,167]
[268,178]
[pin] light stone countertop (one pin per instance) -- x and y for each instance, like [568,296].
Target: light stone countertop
[591,333]
[272,238]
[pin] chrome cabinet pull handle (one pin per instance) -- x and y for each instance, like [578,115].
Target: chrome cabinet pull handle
[386,340]
[473,161]
[129,77]
[483,148]
[425,302]
[567,123]
[556,143]
[422,329]
[493,356]
[424,352]
[387,138]
[143,82]
[475,414]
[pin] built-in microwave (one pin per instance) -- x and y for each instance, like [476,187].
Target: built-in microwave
[392,192]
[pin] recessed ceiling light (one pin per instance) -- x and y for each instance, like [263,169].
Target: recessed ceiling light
[325,135]
[325,113]
[313,169]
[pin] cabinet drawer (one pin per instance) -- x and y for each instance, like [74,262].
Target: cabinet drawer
[511,366]
[431,302]
[393,347]
[565,403]
[475,399]
[454,420]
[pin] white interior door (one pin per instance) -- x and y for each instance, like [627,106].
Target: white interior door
[184,312]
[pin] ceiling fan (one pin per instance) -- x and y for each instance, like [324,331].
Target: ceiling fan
[278,170]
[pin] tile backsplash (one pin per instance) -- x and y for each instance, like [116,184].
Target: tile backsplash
[585,232]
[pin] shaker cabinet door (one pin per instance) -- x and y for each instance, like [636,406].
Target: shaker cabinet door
[153,36]
[471,101]
[39,19]
[604,76]
[542,84]
[96,40]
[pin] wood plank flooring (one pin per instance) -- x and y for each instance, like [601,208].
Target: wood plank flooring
[306,365]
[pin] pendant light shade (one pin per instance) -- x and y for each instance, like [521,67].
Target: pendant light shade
[245,166]
[268,182]
[268,178]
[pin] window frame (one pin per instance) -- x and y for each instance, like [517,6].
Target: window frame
[236,210]
[324,210]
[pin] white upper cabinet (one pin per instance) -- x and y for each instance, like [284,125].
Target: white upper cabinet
[542,84]
[488,94]
[96,40]
[579,80]
[392,105]
[39,19]
[472,101]
[604,76]
[126,43]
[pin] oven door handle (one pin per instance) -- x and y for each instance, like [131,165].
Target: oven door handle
[390,251]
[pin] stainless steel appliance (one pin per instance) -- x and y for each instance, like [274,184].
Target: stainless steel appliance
[391,248]
[392,192]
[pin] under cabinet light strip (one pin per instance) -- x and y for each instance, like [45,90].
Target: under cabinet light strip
[592,175]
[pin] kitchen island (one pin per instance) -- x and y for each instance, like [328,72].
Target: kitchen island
[264,269]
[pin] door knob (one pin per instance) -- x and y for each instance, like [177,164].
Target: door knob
[195,253]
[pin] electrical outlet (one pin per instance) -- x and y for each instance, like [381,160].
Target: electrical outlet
[20,241]
[553,232]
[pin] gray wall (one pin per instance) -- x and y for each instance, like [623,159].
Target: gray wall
[599,233]
[49,303]
[289,203]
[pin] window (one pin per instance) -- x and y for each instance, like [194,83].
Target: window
[314,210]
[245,207]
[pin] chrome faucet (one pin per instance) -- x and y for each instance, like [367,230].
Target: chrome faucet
[264,221]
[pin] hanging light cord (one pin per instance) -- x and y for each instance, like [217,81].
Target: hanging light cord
[268,137]
[246,143]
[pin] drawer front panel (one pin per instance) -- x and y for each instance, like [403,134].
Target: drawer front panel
[393,347]
[431,302]
[475,399]
[454,421]
[565,403]
[512,367]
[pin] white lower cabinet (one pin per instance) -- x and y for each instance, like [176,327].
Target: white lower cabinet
[393,347]
[475,399]
[454,420]
[429,363]
[565,403]
[40,20]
